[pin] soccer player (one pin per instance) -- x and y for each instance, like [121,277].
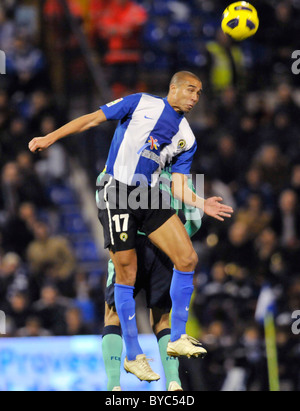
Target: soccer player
[151,133]
[154,275]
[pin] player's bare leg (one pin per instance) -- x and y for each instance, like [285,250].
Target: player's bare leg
[125,263]
[173,240]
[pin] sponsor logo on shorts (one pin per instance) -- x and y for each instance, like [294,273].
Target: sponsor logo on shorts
[124,237]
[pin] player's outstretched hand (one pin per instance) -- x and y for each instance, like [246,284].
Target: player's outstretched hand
[215,209]
[39,144]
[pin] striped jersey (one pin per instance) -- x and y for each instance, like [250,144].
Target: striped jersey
[150,135]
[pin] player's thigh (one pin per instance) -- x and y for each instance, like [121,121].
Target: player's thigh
[125,263]
[111,316]
[172,238]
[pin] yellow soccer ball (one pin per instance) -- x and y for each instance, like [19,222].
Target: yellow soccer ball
[240,20]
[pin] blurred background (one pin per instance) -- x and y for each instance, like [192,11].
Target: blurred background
[65,59]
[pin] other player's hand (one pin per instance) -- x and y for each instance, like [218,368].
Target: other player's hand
[214,208]
[39,144]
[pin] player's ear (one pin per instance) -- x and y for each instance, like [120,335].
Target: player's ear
[173,88]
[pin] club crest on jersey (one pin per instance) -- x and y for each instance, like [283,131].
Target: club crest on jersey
[114,102]
[181,144]
[124,237]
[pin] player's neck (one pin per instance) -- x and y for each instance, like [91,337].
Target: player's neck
[174,105]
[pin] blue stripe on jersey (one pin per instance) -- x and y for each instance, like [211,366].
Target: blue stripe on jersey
[165,129]
[167,126]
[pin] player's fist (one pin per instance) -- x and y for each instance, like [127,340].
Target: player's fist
[214,208]
[39,144]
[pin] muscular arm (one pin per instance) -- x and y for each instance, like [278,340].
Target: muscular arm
[212,206]
[76,126]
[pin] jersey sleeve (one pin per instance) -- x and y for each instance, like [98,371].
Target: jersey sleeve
[182,164]
[118,109]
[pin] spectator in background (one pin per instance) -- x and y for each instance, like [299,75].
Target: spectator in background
[286,102]
[53,9]
[253,184]
[286,221]
[26,64]
[249,355]
[19,308]
[74,324]
[33,189]
[254,215]
[227,63]
[53,163]
[229,109]
[272,267]
[33,328]
[39,106]
[284,35]
[273,167]
[120,26]
[18,230]
[218,341]
[238,250]
[295,181]
[13,278]
[247,134]
[14,139]
[51,258]
[7,32]
[11,189]
[51,309]
[286,224]
[228,162]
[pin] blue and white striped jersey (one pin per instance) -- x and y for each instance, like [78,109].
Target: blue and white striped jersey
[149,136]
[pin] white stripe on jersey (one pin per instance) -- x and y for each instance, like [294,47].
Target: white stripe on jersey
[143,121]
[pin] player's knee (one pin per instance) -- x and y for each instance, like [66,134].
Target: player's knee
[187,262]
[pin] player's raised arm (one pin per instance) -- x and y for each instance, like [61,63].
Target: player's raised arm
[76,126]
[212,206]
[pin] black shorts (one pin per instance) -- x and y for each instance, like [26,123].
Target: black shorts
[125,210]
[155,272]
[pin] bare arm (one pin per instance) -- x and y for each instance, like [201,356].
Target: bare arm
[212,206]
[76,126]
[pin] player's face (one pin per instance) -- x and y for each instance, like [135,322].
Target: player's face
[186,95]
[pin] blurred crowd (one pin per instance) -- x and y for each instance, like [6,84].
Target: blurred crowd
[248,148]
[43,291]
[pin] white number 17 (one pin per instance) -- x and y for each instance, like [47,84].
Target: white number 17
[117,220]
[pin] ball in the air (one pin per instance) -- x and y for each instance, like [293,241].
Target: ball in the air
[240,20]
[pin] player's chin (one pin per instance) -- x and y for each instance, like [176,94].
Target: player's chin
[187,109]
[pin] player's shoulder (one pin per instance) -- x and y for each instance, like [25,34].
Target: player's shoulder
[150,98]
